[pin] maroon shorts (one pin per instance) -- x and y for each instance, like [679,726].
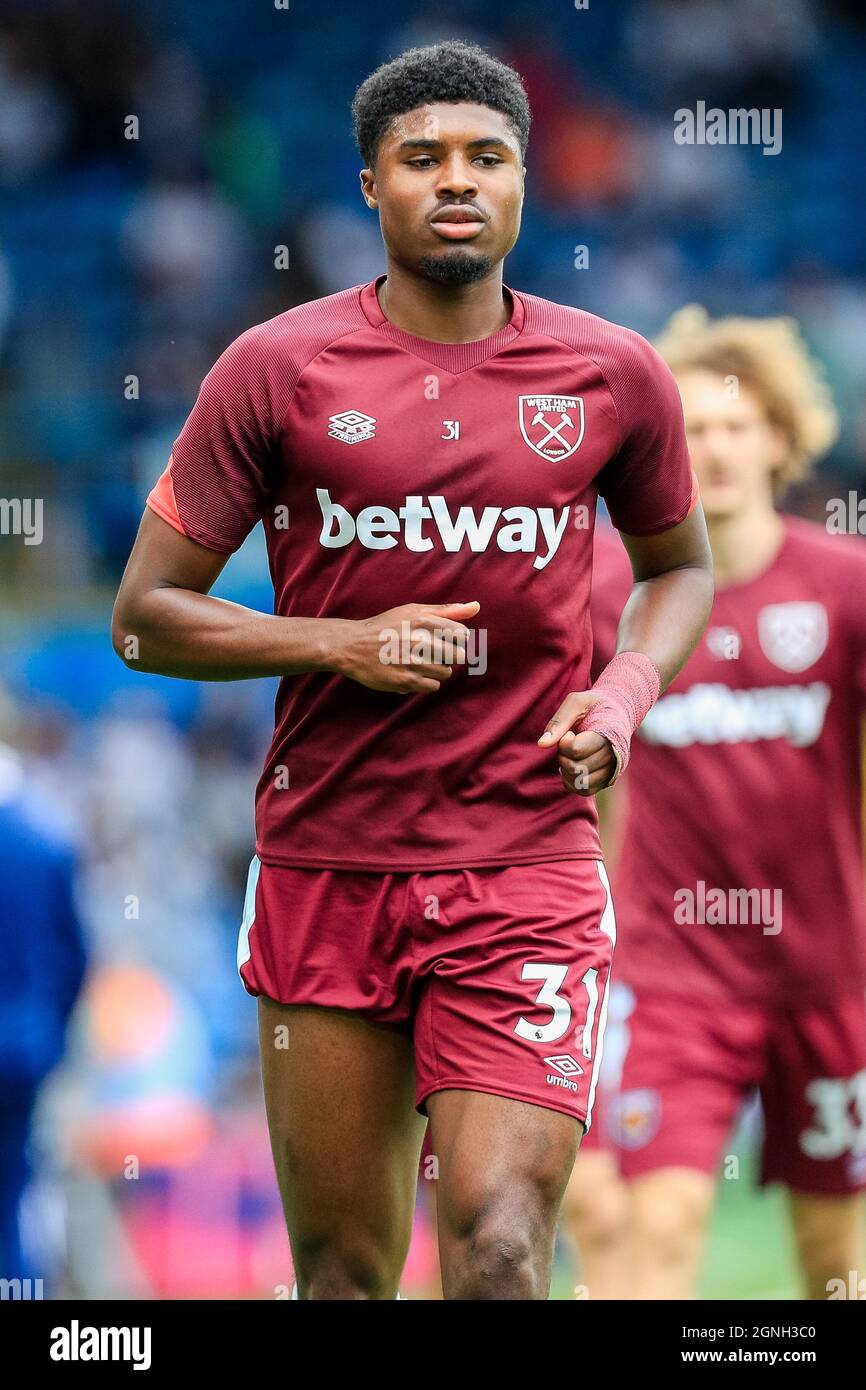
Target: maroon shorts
[680,1070]
[499,975]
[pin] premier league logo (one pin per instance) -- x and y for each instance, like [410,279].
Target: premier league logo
[552,425]
[793,635]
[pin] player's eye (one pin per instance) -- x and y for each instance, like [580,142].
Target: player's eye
[491,160]
[422,161]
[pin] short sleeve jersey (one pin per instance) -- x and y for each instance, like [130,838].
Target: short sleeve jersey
[388,469]
[739,874]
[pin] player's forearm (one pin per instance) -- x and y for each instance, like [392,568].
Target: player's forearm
[665,616]
[177,632]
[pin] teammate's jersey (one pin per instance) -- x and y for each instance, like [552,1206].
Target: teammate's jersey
[746,776]
[388,469]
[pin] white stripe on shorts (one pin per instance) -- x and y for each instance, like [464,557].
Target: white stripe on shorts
[249,915]
[607,924]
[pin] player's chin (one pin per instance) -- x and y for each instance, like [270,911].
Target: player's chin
[459,265]
[721,503]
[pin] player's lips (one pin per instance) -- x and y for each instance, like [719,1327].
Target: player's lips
[457,222]
[718,477]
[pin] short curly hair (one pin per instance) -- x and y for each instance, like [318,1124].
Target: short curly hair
[770,357]
[452,71]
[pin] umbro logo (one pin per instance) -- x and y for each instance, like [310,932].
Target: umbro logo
[564,1064]
[351,426]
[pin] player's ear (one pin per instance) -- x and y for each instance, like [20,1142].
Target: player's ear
[368,188]
[782,444]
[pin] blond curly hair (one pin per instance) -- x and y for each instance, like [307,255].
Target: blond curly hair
[771,358]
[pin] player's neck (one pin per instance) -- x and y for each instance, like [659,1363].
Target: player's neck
[745,544]
[444,313]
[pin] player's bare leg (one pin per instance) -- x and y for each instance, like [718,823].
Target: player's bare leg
[830,1233]
[594,1214]
[503,1170]
[668,1217]
[346,1138]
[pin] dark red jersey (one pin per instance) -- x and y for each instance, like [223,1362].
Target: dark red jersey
[740,868]
[388,469]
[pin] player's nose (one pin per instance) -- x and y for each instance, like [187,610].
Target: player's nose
[456,177]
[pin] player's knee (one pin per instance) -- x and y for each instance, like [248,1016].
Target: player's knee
[499,1248]
[496,1260]
[670,1228]
[596,1214]
[344,1269]
[827,1255]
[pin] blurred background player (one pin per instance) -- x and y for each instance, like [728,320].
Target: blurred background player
[746,779]
[43,967]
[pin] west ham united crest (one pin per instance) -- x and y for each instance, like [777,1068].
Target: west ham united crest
[552,425]
[793,635]
[634,1117]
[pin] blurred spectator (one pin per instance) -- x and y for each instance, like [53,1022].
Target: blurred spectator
[43,966]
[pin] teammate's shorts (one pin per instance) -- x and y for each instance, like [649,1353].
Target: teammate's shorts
[680,1070]
[499,975]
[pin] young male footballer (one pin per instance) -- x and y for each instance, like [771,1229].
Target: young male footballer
[743,912]
[428,925]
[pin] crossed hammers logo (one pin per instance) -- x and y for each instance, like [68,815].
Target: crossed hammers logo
[553,431]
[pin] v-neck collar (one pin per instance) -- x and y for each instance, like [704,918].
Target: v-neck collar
[778,558]
[450,357]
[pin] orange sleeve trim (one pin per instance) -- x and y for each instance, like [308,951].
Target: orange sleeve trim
[696,492]
[161,499]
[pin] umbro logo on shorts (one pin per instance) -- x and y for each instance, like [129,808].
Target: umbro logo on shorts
[567,1067]
[564,1064]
